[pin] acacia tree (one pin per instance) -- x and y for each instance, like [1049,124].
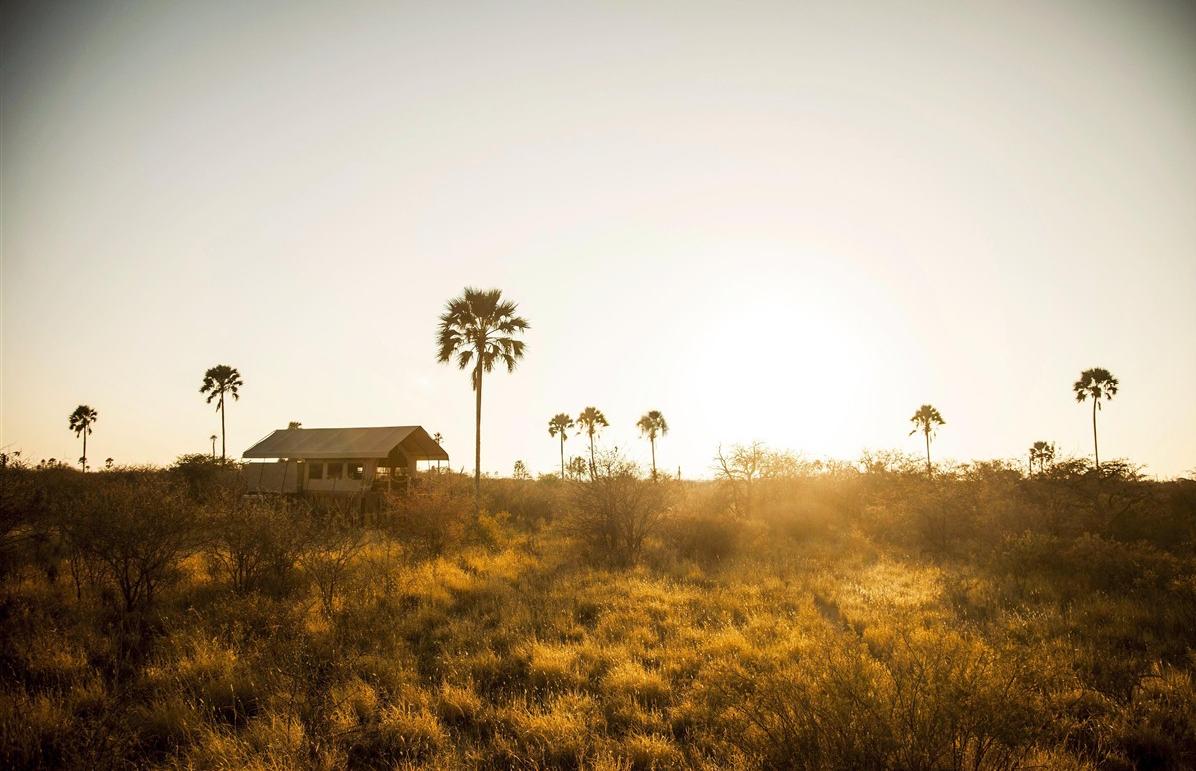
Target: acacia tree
[218,381]
[80,421]
[480,328]
[1043,453]
[137,529]
[559,426]
[741,467]
[590,422]
[1096,384]
[652,425]
[926,419]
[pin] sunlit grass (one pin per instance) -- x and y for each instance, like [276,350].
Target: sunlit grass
[832,645]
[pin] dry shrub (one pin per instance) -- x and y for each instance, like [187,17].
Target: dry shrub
[529,502]
[253,543]
[136,527]
[329,562]
[431,519]
[617,509]
[703,537]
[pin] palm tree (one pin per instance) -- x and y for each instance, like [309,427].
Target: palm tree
[436,437]
[652,425]
[213,440]
[480,327]
[108,463]
[1095,384]
[559,426]
[589,422]
[925,420]
[80,421]
[218,381]
[1044,453]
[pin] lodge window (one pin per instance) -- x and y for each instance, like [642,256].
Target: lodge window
[315,470]
[336,470]
[356,470]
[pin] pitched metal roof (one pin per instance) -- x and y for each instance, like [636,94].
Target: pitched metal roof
[374,442]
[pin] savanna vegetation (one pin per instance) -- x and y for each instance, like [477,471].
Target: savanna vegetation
[789,614]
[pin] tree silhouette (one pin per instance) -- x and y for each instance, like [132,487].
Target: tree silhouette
[1043,453]
[589,422]
[652,425]
[559,426]
[480,327]
[576,467]
[436,437]
[925,420]
[80,421]
[521,471]
[108,463]
[1096,384]
[213,440]
[218,381]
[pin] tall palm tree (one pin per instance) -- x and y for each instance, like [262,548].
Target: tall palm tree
[926,419]
[559,426]
[480,327]
[1096,384]
[436,437]
[652,425]
[218,381]
[80,421]
[589,422]
[1044,453]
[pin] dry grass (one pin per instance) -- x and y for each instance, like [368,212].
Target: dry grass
[847,643]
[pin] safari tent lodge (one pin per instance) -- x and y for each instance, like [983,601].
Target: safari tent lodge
[339,461]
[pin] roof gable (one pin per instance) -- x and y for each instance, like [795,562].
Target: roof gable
[370,442]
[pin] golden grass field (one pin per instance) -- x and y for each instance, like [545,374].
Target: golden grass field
[838,619]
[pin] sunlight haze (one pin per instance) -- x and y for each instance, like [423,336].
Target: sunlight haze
[770,221]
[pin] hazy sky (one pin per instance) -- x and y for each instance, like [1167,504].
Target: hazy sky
[778,221]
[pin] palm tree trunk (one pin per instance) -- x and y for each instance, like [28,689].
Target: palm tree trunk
[1095,446]
[84,461]
[652,441]
[477,443]
[593,465]
[562,454]
[222,445]
[928,472]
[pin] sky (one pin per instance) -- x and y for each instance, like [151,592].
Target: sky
[785,222]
